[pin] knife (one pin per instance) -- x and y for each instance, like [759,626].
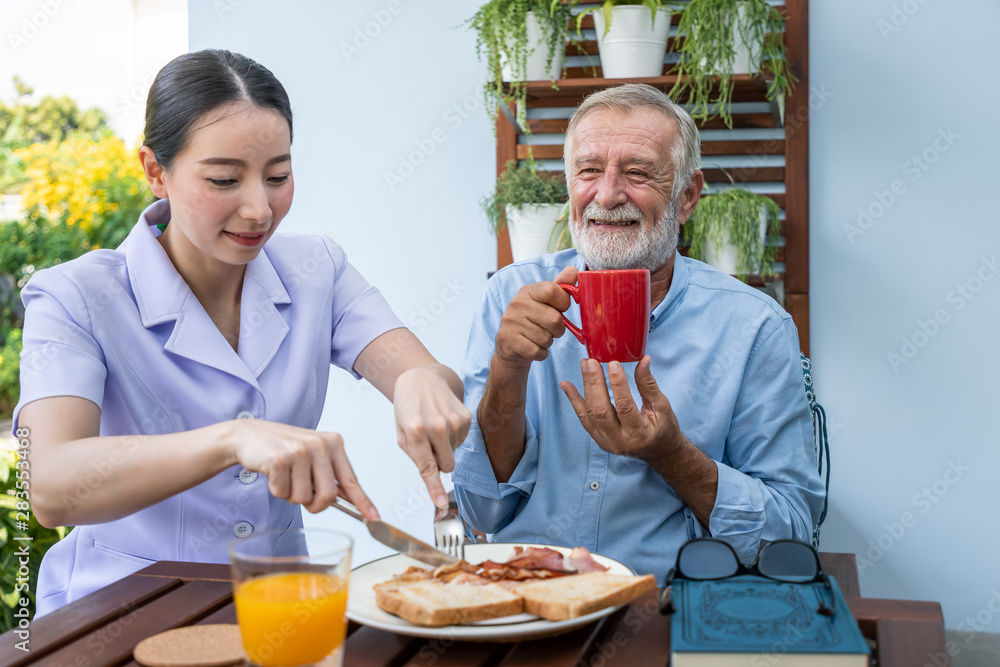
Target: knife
[396,539]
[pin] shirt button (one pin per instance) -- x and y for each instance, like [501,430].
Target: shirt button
[245,415]
[248,476]
[595,486]
[242,529]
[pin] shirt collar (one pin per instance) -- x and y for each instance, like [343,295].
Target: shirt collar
[162,295]
[160,291]
[678,285]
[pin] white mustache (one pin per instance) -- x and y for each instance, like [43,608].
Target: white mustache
[621,213]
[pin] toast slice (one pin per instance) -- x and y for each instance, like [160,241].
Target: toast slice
[436,604]
[568,597]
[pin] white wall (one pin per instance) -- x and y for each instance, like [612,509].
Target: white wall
[908,79]
[895,431]
[360,107]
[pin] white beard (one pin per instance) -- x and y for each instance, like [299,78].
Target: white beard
[641,246]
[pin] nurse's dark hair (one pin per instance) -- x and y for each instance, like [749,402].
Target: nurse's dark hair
[191,85]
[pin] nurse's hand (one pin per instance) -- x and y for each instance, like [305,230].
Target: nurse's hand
[431,422]
[305,467]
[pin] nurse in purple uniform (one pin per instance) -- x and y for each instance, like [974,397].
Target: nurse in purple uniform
[171,387]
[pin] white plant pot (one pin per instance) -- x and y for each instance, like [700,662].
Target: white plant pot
[725,259]
[529,228]
[634,47]
[538,52]
[741,58]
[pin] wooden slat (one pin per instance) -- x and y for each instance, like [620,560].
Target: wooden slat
[580,88]
[226,614]
[506,150]
[369,647]
[901,644]
[548,125]
[638,635]
[588,21]
[797,306]
[547,152]
[552,652]
[449,653]
[752,147]
[779,199]
[740,121]
[797,149]
[745,91]
[185,570]
[761,147]
[745,175]
[114,641]
[100,608]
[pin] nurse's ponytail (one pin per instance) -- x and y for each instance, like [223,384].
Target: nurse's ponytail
[194,84]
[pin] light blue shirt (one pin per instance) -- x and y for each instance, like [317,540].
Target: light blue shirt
[727,358]
[122,329]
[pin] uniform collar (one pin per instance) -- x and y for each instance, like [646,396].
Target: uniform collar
[162,296]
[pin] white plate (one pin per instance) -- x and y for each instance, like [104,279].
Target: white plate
[361,606]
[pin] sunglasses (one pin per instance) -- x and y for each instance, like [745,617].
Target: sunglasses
[787,561]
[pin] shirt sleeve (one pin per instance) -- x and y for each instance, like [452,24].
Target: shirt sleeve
[60,356]
[769,487]
[485,503]
[360,312]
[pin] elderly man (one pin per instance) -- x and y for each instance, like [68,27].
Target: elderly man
[721,444]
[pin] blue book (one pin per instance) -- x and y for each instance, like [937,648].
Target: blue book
[750,621]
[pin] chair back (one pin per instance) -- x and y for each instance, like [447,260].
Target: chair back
[821,442]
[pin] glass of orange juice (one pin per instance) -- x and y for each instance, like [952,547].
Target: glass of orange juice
[290,589]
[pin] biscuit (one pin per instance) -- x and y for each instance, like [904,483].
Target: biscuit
[192,646]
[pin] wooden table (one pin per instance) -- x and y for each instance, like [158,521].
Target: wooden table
[101,629]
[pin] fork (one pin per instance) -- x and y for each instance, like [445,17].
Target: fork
[449,533]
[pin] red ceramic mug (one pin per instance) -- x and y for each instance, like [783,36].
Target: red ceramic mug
[614,307]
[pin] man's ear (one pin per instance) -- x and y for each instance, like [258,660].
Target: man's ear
[154,172]
[691,195]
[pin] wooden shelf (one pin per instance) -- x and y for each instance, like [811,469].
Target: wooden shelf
[758,160]
[543,93]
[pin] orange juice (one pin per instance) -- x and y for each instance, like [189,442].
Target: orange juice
[291,619]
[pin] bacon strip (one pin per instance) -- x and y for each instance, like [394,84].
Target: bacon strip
[580,560]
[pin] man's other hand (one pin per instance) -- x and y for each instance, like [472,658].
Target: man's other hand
[648,433]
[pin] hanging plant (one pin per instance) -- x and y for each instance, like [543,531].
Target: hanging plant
[707,31]
[733,217]
[502,38]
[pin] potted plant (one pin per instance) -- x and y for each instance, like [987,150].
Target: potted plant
[530,201]
[522,40]
[631,37]
[729,230]
[720,38]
